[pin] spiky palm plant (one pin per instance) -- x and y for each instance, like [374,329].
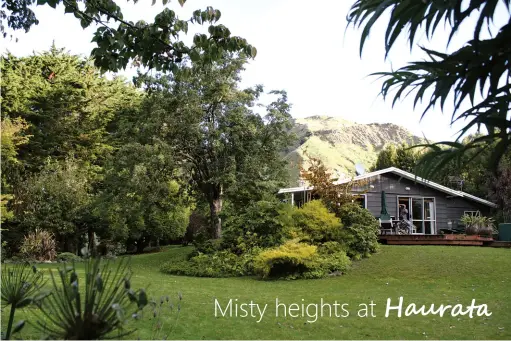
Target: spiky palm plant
[92,308]
[477,75]
[20,285]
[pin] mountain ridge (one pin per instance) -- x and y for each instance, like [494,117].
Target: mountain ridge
[340,143]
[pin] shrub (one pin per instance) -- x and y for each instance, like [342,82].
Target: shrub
[336,262]
[39,246]
[218,264]
[14,259]
[360,240]
[316,223]
[266,222]
[299,260]
[360,232]
[208,246]
[245,242]
[291,260]
[331,247]
[352,213]
[68,257]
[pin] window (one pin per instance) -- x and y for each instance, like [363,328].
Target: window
[361,199]
[420,211]
[472,213]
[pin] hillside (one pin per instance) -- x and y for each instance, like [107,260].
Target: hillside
[341,144]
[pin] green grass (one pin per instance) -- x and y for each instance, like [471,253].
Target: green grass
[421,274]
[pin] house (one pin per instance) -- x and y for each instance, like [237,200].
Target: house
[431,206]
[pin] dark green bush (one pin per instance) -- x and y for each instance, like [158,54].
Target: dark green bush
[361,240]
[315,224]
[352,213]
[266,222]
[208,246]
[68,257]
[244,243]
[336,262]
[360,232]
[218,264]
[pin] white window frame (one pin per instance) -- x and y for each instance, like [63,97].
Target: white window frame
[360,195]
[472,213]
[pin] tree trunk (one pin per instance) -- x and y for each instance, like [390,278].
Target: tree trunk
[141,244]
[215,207]
[91,240]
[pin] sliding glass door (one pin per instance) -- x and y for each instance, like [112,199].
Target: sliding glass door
[417,214]
[429,216]
[421,213]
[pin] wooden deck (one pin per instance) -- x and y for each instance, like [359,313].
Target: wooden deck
[438,239]
[500,243]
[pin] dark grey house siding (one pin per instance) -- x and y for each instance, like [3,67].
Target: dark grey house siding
[447,207]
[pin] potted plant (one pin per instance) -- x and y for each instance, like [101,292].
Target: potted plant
[487,226]
[471,223]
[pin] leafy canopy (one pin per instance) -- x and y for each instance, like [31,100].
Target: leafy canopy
[154,45]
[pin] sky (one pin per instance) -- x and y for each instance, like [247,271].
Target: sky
[303,48]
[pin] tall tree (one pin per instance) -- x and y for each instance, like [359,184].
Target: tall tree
[481,65]
[67,104]
[143,198]
[386,158]
[407,158]
[12,136]
[154,45]
[214,129]
[403,157]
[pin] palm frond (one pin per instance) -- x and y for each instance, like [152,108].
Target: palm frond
[411,16]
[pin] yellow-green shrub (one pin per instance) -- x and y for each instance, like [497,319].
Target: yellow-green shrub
[316,224]
[290,260]
[299,260]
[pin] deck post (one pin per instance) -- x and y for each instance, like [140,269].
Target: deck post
[292,199]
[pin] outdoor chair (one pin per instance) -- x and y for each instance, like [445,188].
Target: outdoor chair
[386,225]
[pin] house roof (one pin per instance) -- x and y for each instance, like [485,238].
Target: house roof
[405,175]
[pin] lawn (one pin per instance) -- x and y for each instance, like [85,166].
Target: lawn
[421,274]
